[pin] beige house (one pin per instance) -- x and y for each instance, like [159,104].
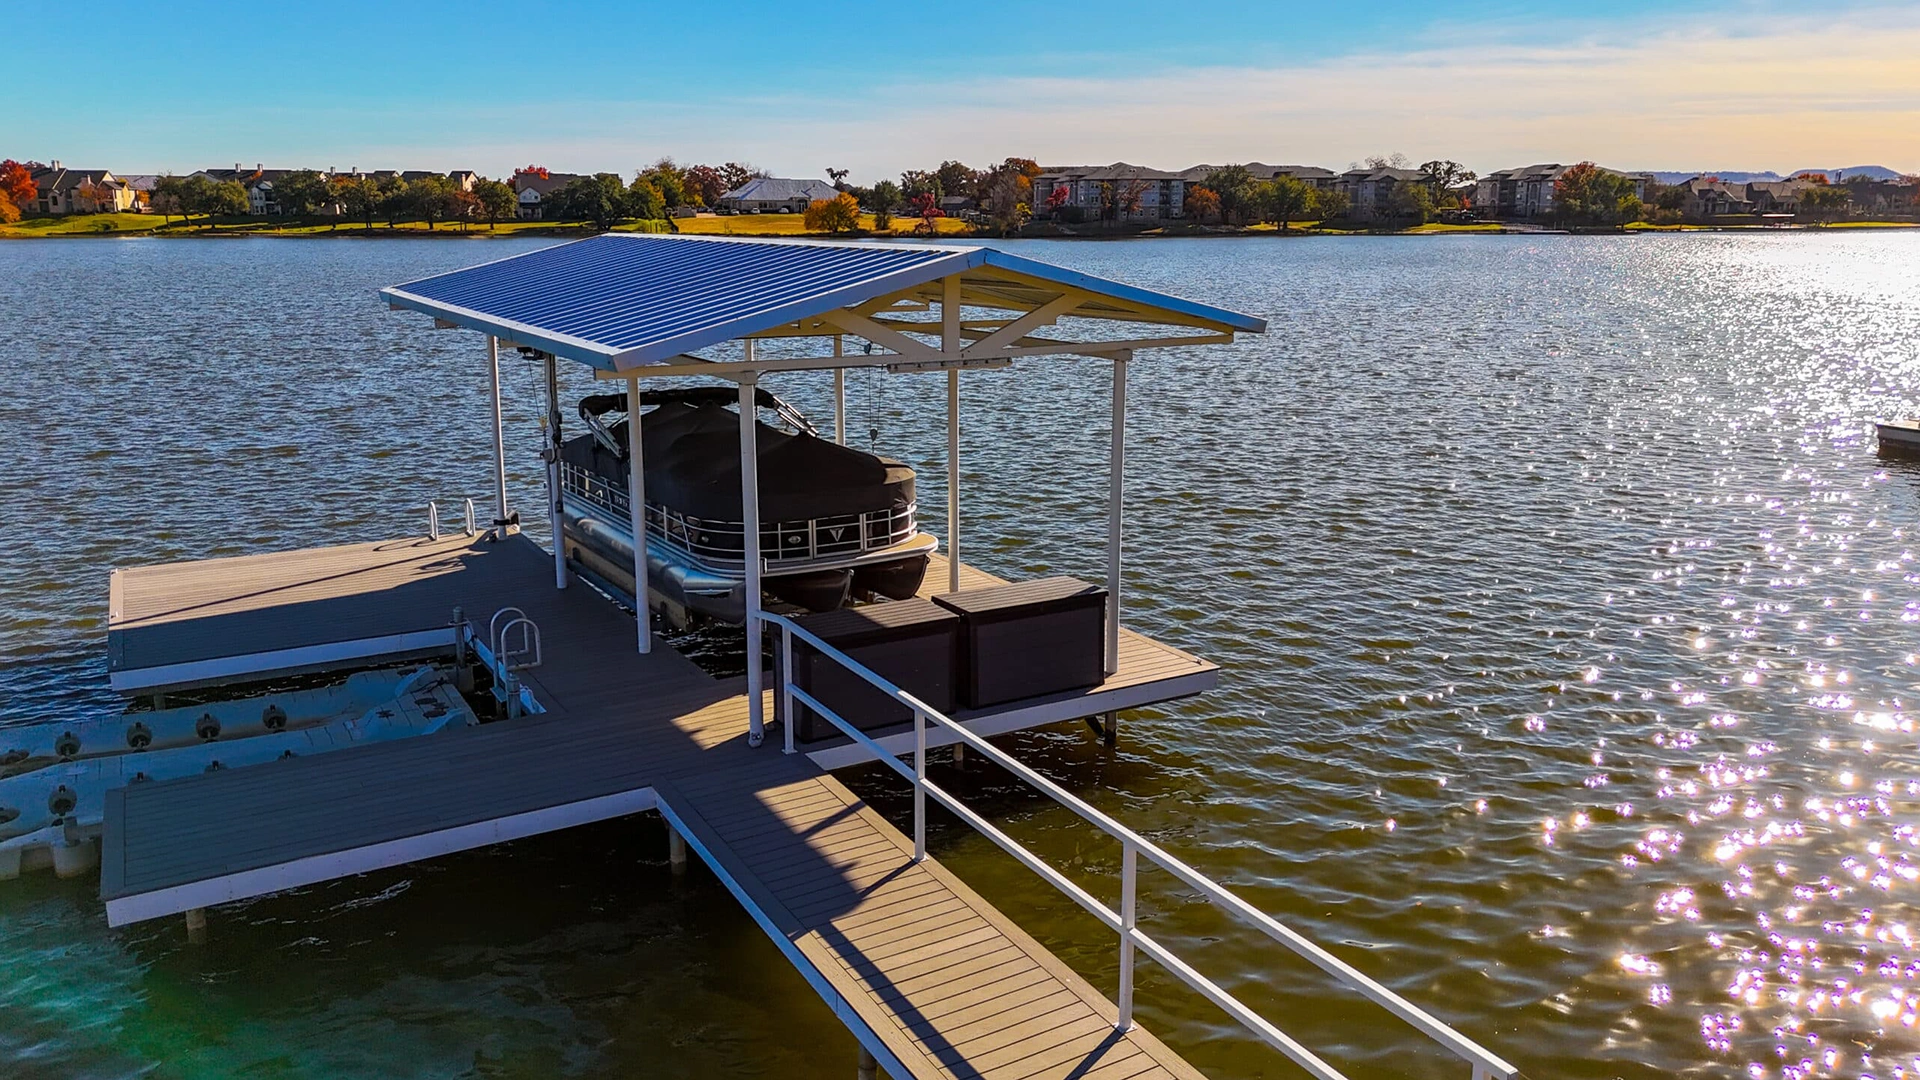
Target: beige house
[61,190]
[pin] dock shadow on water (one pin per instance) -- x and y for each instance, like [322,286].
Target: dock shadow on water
[1568,623]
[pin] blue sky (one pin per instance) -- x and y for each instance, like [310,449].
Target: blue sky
[882,87]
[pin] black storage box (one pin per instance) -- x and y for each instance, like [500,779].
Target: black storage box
[911,643]
[1028,639]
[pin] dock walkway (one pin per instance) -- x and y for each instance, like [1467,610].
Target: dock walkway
[932,979]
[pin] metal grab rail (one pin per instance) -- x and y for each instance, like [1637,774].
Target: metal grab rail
[1486,1065]
[433,520]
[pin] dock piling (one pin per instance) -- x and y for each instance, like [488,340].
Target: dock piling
[197,926]
[869,1068]
[676,849]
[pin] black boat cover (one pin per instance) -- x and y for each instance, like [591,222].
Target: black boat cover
[692,456]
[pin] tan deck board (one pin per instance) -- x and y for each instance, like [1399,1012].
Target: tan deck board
[950,985]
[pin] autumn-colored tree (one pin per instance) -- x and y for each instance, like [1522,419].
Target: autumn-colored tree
[496,201]
[1589,193]
[533,170]
[1058,198]
[464,204]
[669,181]
[840,214]
[646,201]
[705,183]
[17,188]
[1008,192]
[1811,177]
[1202,202]
[926,206]
[739,174]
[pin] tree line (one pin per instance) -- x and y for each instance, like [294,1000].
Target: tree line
[602,199]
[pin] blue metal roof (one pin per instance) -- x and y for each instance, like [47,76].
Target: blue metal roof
[620,300]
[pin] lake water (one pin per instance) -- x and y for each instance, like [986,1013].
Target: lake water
[1567,619]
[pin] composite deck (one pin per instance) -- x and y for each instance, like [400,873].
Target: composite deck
[930,977]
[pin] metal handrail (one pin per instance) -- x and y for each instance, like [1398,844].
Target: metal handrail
[1486,1065]
[529,645]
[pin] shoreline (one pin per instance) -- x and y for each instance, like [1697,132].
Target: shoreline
[412,231]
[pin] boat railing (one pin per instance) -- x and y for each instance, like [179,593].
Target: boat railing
[1134,847]
[718,543]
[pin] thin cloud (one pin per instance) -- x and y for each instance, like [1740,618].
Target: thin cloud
[1843,89]
[1831,92]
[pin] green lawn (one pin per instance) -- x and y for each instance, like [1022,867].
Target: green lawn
[84,225]
[708,225]
[1452,227]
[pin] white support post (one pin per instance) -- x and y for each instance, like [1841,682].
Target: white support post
[750,550]
[1128,919]
[919,785]
[637,515]
[788,718]
[1116,496]
[839,393]
[676,850]
[951,344]
[499,441]
[554,504]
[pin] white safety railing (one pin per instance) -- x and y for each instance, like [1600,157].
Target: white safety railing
[1486,1065]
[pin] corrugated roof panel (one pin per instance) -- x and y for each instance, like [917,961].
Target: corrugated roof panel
[646,298]
[616,301]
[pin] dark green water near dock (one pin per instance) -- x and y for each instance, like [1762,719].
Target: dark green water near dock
[1569,627]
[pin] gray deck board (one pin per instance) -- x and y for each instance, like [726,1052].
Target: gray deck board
[945,981]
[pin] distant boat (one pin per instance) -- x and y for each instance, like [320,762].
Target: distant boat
[1899,437]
